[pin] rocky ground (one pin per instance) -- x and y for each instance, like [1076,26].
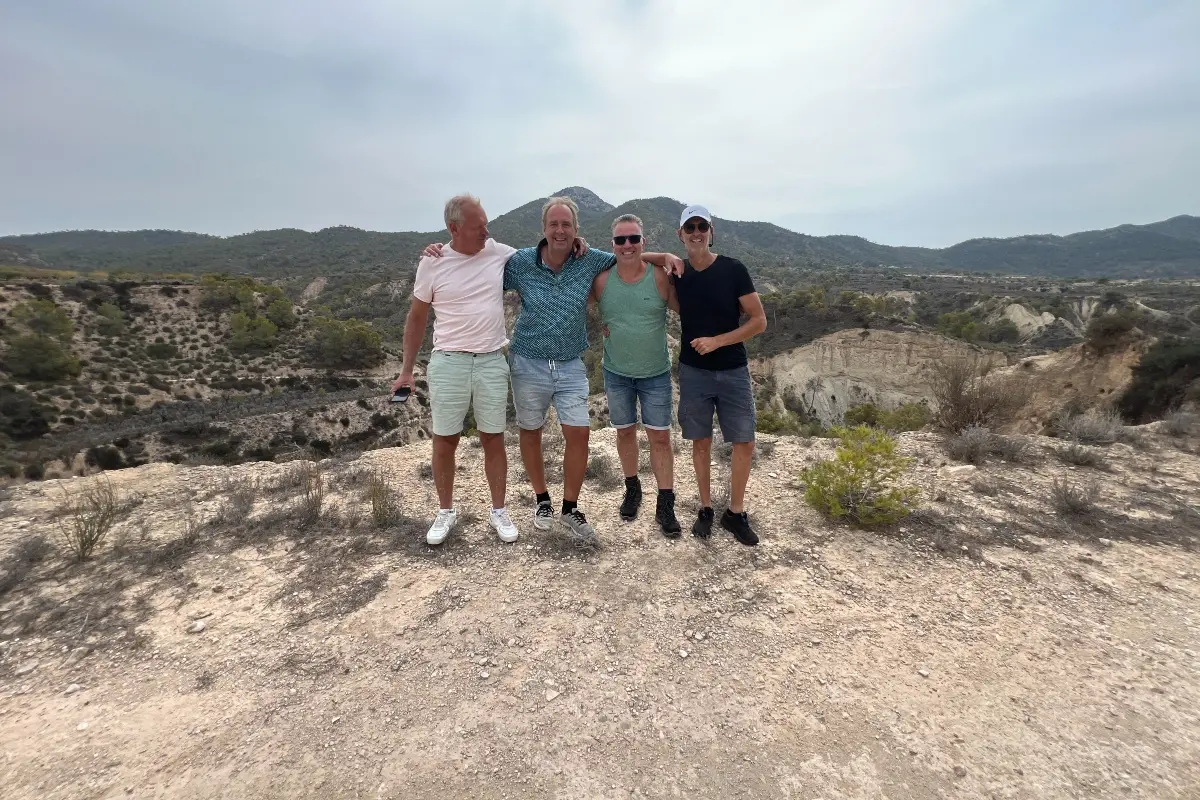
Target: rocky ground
[235,640]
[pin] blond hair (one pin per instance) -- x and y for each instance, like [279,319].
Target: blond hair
[561,201]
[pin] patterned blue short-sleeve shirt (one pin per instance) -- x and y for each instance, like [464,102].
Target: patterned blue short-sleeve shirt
[552,323]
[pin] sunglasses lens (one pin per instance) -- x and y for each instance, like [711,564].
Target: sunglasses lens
[634,239]
[692,227]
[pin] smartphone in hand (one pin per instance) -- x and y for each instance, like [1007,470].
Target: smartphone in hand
[401,395]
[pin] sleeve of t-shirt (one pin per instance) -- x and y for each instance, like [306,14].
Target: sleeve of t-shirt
[510,271]
[600,260]
[423,282]
[501,249]
[742,280]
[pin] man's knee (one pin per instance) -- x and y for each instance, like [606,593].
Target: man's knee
[658,438]
[576,435]
[627,433]
[489,440]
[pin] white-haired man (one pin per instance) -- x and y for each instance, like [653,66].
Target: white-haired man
[467,369]
[554,280]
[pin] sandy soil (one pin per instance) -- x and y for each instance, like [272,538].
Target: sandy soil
[985,648]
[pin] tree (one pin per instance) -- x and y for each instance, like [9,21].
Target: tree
[959,325]
[45,318]
[1106,332]
[251,335]
[280,313]
[344,344]
[112,320]
[40,358]
[863,480]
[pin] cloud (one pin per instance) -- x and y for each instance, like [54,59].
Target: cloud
[920,122]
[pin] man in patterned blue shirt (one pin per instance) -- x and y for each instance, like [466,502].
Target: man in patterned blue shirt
[545,365]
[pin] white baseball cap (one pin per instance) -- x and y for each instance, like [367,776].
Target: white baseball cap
[695,211]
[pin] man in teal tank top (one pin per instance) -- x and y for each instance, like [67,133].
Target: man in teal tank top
[634,298]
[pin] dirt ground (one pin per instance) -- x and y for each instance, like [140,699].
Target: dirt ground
[985,648]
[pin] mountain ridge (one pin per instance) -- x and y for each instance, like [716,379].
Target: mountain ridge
[1167,248]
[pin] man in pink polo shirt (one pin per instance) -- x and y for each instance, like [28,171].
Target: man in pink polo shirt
[468,369]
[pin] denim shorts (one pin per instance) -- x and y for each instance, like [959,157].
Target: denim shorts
[728,392]
[536,383]
[626,394]
[458,381]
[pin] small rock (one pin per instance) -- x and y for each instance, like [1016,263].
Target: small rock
[218,588]
[76,655]
[27,667]
[959,471]
[196,627]
[484,675]
[551,694]
[683,653]
[815,643]
[1105,542]
[699,637]
[81,726]
[960,771]
[335,720]
[924,673]
[772,474]
[589,611]
[73,688]
[201,614]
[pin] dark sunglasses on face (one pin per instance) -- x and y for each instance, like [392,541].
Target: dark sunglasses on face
[692,227]
[635,238]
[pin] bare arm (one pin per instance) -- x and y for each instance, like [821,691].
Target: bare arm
[666,290]
[668,261]
[414,334]
[749,304]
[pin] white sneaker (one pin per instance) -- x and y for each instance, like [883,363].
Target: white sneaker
[503,525]
[446,517]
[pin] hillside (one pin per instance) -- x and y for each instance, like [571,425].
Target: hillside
[240,635]
[1162,249]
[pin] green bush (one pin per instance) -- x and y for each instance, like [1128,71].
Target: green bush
[907,417]
[281,314]
[1106,332]
[43,317]
[112,320]
[959,325]
[161,350]
[862,481]
[40,358]
[344,344]
[251,335]
[1162,379]
[865,414]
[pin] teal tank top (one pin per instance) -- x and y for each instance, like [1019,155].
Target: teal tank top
[636,317]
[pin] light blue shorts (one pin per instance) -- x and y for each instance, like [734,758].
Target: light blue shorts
[536,383]
[461,381]
[626,394]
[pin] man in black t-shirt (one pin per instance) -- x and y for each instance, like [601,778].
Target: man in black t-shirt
[714,293]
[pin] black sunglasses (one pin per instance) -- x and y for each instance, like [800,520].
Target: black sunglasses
[692,227]
[635,238]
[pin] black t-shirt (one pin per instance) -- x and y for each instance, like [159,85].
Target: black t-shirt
[708,306]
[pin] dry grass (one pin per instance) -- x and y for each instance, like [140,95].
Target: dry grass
[1178,423]
[1081,456]
[27,552]
[1091,427]
[310,505]
[1074,499]
[385,502]
[600,468]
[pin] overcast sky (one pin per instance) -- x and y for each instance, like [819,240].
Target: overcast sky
[923,122]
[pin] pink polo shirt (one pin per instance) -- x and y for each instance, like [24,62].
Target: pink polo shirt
[467,295]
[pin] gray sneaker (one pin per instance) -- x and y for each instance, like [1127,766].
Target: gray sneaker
[581,531]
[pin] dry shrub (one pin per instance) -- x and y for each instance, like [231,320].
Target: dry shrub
[89,516]
[1091,427]
[1178,423]
[310,505]
[1081,455]
[601,469]
[968,395]
[385,502]
[975,443]
[1074,499]
[20,561]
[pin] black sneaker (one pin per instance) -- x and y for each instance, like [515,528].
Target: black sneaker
[664,515]
[632,502]
[739,526]
[702,527]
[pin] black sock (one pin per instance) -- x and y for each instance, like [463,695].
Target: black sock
[568,506]
[544,497]
[666,493]
[632,482]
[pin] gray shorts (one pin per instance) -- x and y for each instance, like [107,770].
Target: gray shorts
[728,392]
